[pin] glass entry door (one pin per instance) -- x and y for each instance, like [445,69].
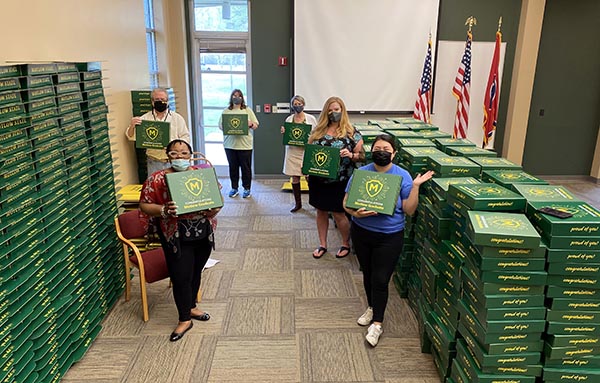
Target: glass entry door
[220,73]
[221,42]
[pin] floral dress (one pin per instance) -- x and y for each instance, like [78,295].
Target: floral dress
[346,164]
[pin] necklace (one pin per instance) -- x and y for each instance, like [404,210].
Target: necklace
[192,227]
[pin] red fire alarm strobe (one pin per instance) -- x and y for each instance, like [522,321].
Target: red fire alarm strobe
[282,61]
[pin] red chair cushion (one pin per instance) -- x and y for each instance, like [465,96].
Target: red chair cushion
[155,265]
[131,225]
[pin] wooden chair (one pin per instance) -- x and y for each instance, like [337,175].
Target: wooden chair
[150,263]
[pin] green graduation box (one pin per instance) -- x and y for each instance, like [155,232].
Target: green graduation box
[369,136]
[194,190]
[544,193]
[488,197]
[584,222]
[9,84]
[322,161]
[469,151]
[374,191]
[296,134]
[441,185]
[9,71]
[235,124]
[10,97]
[573,256]
[419,155]
[508,177]
[431,134]
[454,167]
[152,134]
[552,375]
[443,143]
[399,134]
[495,163]
[501,230]
[408,142]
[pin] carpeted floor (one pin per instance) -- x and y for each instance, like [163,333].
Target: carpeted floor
[278,315]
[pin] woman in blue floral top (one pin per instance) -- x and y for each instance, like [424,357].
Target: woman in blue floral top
[326,195]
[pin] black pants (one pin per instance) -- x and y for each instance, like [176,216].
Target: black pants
[377,255]
[240,159]
[186,273]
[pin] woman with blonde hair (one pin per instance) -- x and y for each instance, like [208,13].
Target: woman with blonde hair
[326,195]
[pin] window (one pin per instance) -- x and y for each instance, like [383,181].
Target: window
[151,42]
[221,15]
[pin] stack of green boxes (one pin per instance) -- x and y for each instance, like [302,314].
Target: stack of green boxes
[368,132]
[141,103]
[416,159]
[51,209]
[438,262]
[572,350]
[501,306]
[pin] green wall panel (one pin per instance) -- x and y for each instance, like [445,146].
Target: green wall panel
[567,90]
[271,33]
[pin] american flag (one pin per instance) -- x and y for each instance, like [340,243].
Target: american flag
[461,88]
[492,90]
[423,104]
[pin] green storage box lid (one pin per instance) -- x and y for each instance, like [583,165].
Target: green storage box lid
[487,197]
[493,163]
[501,230]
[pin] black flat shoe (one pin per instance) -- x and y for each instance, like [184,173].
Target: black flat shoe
[175,336]
[201,317]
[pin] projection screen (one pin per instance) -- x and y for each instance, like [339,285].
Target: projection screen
[368,52]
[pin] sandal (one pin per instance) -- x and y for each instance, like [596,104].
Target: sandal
[342,250]
[318,253]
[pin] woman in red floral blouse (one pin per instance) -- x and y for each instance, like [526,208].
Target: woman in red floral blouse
[187,240]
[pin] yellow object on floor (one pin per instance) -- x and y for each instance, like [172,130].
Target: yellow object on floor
[288,185]
[130,193]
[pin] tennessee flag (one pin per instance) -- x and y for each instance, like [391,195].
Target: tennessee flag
[492,91]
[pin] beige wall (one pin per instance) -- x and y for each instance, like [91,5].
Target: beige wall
[109,31]
[521,89]
[171,48]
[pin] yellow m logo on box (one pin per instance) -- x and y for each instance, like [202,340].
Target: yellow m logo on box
[374,187]
[321,158]
[194,186]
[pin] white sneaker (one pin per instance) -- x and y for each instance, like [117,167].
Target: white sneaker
[366,318]
[373,334]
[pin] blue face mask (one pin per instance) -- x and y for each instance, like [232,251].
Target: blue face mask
[180,164]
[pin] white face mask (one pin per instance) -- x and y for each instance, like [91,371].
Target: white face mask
[180,164]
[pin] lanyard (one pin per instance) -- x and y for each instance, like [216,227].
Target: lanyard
[166,115]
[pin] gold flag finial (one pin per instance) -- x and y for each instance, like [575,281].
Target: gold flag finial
[499,23]
[470,22]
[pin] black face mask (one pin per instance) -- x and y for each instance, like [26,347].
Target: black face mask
[381,157]
[160,106]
